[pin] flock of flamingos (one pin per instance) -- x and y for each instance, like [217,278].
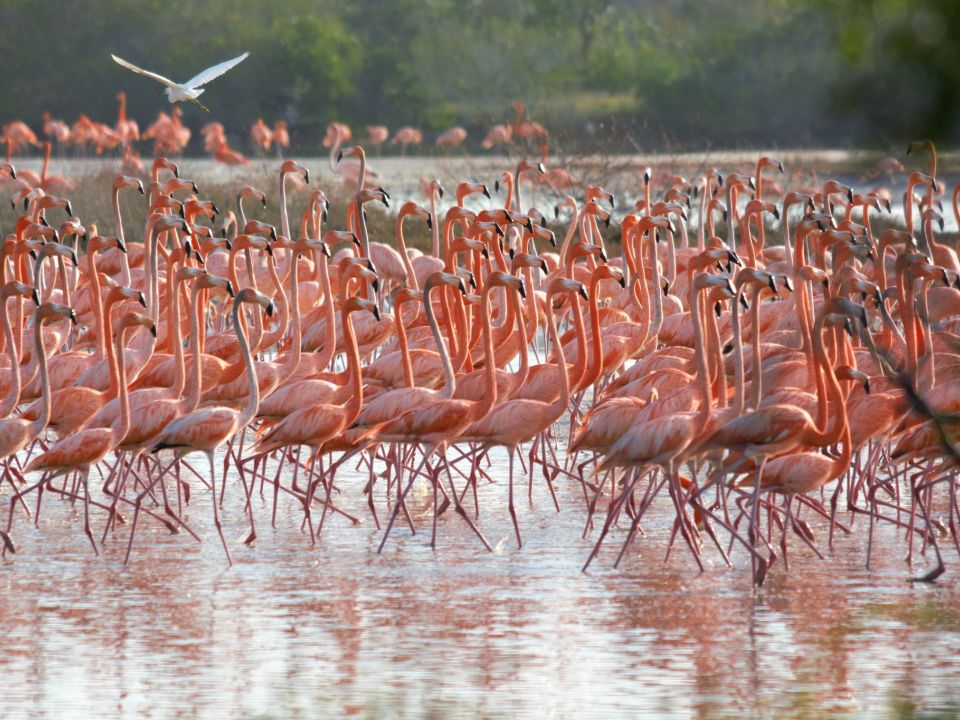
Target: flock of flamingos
[757,390]
[170,136]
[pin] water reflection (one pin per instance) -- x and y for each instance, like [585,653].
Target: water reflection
[295,631]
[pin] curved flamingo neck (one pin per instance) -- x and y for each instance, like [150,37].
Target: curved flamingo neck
[96,304]
[404,257]
[756,383]
[831,394]
[292,359]
[284,216]
[121,368]
[270,339]
[330,331]
[579,369]
[192,397]
[717,371]
[405,361]
[13,397]
[738,381]
[353,365]
[111,356]
[41,422]
[520,376]
[571,231]
[450,382]
[253,399]
[118,218]
[480,409]
[596,357]
[703,372]
[562,402]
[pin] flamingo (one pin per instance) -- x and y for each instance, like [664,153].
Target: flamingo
[81,451]
[261,135]
[452,138]
[206,429]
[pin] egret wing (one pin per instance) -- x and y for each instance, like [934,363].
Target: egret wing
[214,72]
[140,71]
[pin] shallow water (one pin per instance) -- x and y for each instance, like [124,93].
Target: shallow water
[298,631]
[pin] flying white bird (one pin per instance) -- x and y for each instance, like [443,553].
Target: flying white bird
[192,88]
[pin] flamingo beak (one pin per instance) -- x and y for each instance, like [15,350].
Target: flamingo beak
[521,288]
[229,289]
[325,249]
[496,186]
[35,297]
[429,221]
[582,292]
[484,191]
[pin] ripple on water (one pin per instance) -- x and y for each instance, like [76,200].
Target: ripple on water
[299,631]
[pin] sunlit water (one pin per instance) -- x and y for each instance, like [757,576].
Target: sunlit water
[336,629]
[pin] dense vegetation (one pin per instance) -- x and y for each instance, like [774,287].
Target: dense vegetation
[683,73]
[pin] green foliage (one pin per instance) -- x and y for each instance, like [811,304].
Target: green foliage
[691,72]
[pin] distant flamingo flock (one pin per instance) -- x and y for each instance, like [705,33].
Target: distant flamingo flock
[759,392]
[170,136]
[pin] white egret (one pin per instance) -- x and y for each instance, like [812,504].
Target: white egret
[191,89]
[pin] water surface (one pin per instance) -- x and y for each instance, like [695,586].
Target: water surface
[336,629]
